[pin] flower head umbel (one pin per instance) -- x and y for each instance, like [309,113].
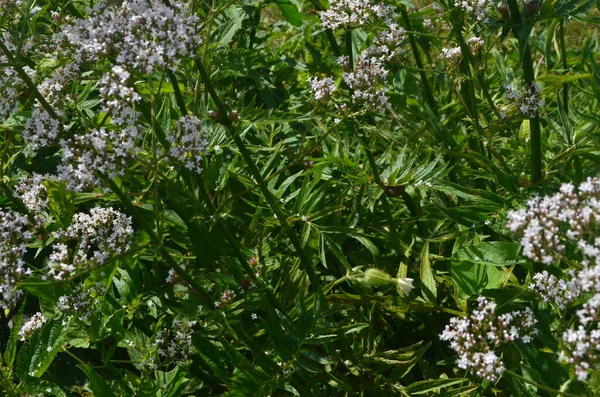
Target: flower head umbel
[477,338]
[548,223]
[35,322]
[189,143]
[99,235]
[14,235]
[344,13]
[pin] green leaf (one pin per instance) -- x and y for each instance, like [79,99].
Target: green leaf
[11,345]
[40,387]
[99,386]
[290,12]
[37,353]
[572,7]
[428,285]
[474,267]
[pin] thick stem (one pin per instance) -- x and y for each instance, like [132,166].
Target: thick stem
[529,77]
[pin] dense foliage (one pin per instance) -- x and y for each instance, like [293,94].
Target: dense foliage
[299,198]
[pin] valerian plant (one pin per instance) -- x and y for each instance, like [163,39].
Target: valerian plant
[299,198]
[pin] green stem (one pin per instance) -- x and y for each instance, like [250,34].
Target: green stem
[305,261]
[529,77]
[539,386]
[565,64]
[177,92]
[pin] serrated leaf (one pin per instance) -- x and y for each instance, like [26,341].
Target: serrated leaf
[11,345]
[39,351]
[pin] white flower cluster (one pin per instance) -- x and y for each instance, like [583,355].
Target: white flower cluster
[365,81]
[104,150]
[528,102]
[52,87]
[354,13]
[9,88]
[453,54]
[386,44]
[32,192]
[548,222]
[369,74]
[114,89]
[553,289]
[475,43]
[226,297]
[321,88]
[82,302]
[141,35]
[41,129]
[14,235]
[100,235]
[189,143]
[476,338]
[480,8]
[35,322]
[581,346]
[547,227]
[174,345]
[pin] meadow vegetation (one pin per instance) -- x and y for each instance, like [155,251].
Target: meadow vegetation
[296,197]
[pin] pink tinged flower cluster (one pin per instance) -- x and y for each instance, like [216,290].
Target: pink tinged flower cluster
[581,345]
[477,338]
[9,89]
[321,88]
[189,143]
[14,235]
[548,222]
[366,81]
[100,235]
[41,129]
[546,227]
[386,45]
[344,13]
[104,150]
[554,290]
[140,35]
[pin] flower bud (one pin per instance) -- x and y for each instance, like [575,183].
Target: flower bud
[378,278]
